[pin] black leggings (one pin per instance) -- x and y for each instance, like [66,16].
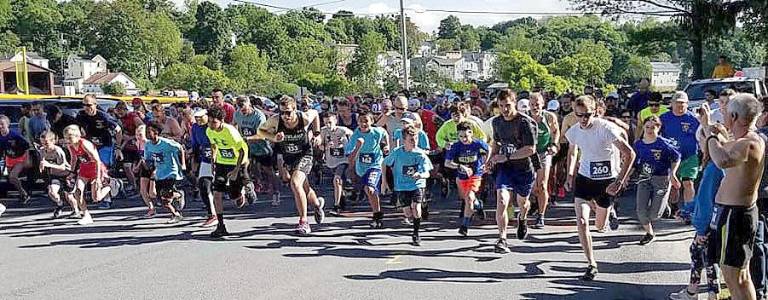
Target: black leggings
[206,192]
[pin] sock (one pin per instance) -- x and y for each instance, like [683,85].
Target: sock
[220,217]
[378,216]
[466,221]
[416,225]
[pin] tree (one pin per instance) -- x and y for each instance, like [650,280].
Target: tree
[163,38]
[449,28]
[114,89]
[699,20]
[248,69]
[468,38]
[588,65]
[211,34]
[191,78]
[524,73]
[36,24]
[121,37]
[364,67]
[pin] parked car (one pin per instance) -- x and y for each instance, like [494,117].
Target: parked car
[696,89]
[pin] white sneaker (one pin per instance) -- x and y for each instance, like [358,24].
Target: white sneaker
[87,219]
[115,185]
[2,209]
[683,295]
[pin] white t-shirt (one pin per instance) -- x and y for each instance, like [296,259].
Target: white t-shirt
[600,159]
[334,141]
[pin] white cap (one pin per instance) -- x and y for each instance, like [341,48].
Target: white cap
[413,104]
[553,105]
[199,112]
[680,97]
[613,95]
[523,105]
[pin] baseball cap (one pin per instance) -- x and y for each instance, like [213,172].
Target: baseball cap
[413,104]
[199,112]
[408,118]
[613,95]
[553,105]
[376,108]
[680,97]
[136,102]
[523,105]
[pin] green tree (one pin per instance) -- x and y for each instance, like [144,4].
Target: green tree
[248,69]
[163,40]
[589,65]
[192,78]
[449,28]
[121,38]
[211,34]
[468,38]
[524,73]
[364,67]
[114,89]
[36,24]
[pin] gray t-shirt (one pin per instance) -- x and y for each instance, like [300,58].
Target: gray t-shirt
[512,135]
[248,125]
[334,142]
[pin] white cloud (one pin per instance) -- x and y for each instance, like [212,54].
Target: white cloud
[380,8]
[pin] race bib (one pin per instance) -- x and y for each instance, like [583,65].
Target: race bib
[716,212]
[646,170]
[337,152]
[674,143]
[600,169]
[292,149]
[366,158]
[410,170]
[157,157]
[227,153]
[247,131]
[207,153]
[467,159]
[83,159]
[510,149]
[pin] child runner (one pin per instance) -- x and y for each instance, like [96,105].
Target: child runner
[55,167]
[167,158]
[366,150]
[468,157]
[333,140]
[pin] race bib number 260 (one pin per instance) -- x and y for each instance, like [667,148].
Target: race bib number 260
[600,169]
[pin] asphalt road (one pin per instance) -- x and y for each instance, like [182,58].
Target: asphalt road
[122,256]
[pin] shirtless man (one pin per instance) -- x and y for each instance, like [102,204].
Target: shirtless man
[734,221]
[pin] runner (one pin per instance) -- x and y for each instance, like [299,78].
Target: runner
[218,100]
[655,108]
[734,222]
[469,157]
[334,138]
[546,147]
[55,168]
[290,131]
[365,149]
[17,158]
[202,160]
[657,161]
[100,129]
[680,125]
[599,179]
[346,117]
[171,127]
[166,156]
[230,165]
[129,121]
[146,183]
[248,120]
[90,170]
[411,168]
[514,142]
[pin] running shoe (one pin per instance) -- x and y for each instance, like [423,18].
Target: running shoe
[240,202]
[150,214]
[250,193]
[335,211]
[479,209]
[647,239]
[276,200]
[539,222]
[303,229]
[376,224]
[212,221]
[220,231]
[522,229]
[683,295]
[319,213]
[74,215]
[87,219]
[590,274]
[24,198]
[2,209]
[181,200]
[463,231]
[406,221]
[105,205]
[56,212]
[416,239]
[613,220]
[501,247]
[115,186]
[175,219]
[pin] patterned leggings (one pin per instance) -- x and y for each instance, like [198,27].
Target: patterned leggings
[698,263]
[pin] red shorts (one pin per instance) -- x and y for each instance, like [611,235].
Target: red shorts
[89,171]
[470,184]
[11,162]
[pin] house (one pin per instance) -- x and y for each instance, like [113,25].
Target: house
[32,57]
[481,65]
[40,79]
[427,48]
[87,76]
[93,84]
[665,76]
[451,68]
[458,66]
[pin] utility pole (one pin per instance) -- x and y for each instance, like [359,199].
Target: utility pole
[404,46]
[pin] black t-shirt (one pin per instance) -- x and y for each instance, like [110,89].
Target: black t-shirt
[512,135]
[98,128]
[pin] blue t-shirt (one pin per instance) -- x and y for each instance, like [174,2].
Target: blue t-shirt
[201,146]
[370,154]
[166,157]
[656,158]
[13,144]
[422,143]
[406,163]
[471,155]
[681,131]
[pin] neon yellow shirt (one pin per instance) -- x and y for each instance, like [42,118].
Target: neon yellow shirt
[447,133]
[228,143]
[646,112]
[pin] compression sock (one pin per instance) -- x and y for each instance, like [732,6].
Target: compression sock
[416,225]
[220,217]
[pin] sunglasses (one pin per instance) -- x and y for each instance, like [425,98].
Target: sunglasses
[286,112]
[584,115]
[654,104]
[89,104]
[463,136]
[399,108]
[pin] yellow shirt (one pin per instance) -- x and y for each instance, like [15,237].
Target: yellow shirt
[646,112]
[228,143]
[723,71]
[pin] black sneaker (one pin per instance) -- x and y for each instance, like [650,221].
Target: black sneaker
[539,222]
[220,231]
[479,209]
[613,220]
[501,247]
[590,274]
[25,199]
[416,239]
[463,230]
[335,211]
[647,239]
[57,212]
[522,229]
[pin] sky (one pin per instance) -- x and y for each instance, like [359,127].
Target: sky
[428,21]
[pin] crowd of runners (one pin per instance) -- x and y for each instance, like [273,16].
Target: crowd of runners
[526,150]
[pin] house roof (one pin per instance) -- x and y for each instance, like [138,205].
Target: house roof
[103,78]
[445,61]
[664,67]
[10,66]
[34,55]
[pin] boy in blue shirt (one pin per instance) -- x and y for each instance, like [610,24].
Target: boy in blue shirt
[467,157]
[202,162]
[410,167]
[365,150]
[168,159]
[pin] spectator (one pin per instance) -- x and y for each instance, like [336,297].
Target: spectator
[639,100]
[723,69]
